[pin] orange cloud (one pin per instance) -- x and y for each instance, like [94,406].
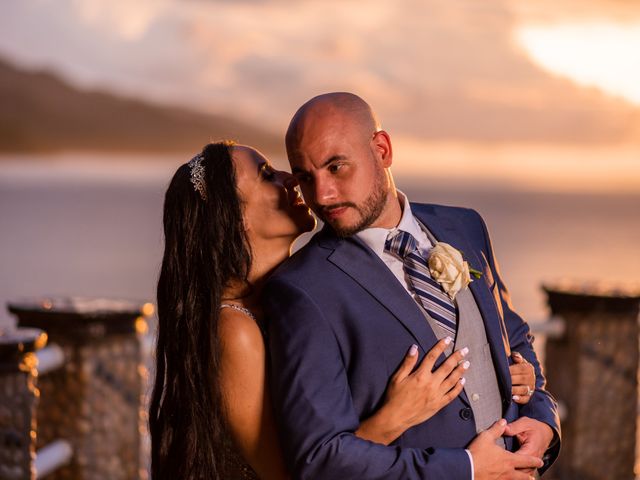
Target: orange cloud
[437,70]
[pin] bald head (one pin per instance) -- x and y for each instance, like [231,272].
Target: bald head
[330,109]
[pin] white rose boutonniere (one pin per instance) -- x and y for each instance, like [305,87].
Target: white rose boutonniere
[449,269]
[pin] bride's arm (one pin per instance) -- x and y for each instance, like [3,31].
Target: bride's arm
[247,401]
[413,397]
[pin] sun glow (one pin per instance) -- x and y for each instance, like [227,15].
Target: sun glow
[602,55]
[533,167]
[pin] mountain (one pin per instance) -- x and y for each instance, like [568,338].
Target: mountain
[42,113]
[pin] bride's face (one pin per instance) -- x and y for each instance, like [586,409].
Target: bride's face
[272,205]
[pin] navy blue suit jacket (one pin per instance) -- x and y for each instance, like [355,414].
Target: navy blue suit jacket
[340,324]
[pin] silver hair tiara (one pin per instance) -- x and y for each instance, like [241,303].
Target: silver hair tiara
[197,175]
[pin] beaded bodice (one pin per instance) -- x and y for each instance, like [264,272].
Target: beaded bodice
[246,311]
[237,468]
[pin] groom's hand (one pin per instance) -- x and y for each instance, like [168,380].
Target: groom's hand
[534,436]
[491,462]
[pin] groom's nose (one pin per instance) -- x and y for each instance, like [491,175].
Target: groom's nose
[324,191]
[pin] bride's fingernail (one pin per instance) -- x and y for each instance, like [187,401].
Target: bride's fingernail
[464,351]
[516,397]
[466,364]
[463,381]
[413,350]
[448,340]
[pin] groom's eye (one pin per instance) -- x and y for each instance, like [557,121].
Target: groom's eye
[333,168]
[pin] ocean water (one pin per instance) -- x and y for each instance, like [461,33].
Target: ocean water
[72,228]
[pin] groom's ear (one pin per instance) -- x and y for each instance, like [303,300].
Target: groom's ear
[381,144]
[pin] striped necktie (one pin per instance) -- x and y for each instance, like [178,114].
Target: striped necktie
[429,293]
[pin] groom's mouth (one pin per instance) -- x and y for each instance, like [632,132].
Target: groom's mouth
[333,213]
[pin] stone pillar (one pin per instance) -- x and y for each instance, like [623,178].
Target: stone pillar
[593,371]
[94,400]
[18,399]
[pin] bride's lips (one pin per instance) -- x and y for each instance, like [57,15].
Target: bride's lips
[295,200]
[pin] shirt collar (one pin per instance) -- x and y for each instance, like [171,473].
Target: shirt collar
[375,238]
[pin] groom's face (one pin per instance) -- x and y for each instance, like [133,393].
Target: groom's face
[341,173]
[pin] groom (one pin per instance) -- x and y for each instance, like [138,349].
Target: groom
[344,310]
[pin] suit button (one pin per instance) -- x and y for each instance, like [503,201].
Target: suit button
[465,413]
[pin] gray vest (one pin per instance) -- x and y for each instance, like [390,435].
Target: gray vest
[481,384]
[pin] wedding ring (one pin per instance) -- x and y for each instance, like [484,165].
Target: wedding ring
[529,391]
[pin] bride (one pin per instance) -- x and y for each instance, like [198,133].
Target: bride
[229,220]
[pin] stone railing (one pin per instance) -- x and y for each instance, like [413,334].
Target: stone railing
[76,405]
[89,421]
[18,402]
[591,366]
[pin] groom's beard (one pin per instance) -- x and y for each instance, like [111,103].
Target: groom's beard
[368,211]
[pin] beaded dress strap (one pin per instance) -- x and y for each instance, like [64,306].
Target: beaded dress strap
[239,309]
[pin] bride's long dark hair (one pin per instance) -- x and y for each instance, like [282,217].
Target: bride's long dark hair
[205,247]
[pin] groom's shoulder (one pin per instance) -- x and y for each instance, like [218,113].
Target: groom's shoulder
[466,221]
[450,212]
[308,260]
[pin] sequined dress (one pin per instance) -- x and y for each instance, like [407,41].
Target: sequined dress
[237,467]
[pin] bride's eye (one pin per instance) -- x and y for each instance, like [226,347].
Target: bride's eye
[268,173]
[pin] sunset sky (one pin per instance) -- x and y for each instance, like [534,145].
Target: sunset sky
[527,110]
[451,72]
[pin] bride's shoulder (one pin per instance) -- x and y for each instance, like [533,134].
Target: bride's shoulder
[239,331]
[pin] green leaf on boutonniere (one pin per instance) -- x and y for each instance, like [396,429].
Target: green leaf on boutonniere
[475,273]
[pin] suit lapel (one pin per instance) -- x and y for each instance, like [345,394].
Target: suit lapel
[360,263]
[444,230]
